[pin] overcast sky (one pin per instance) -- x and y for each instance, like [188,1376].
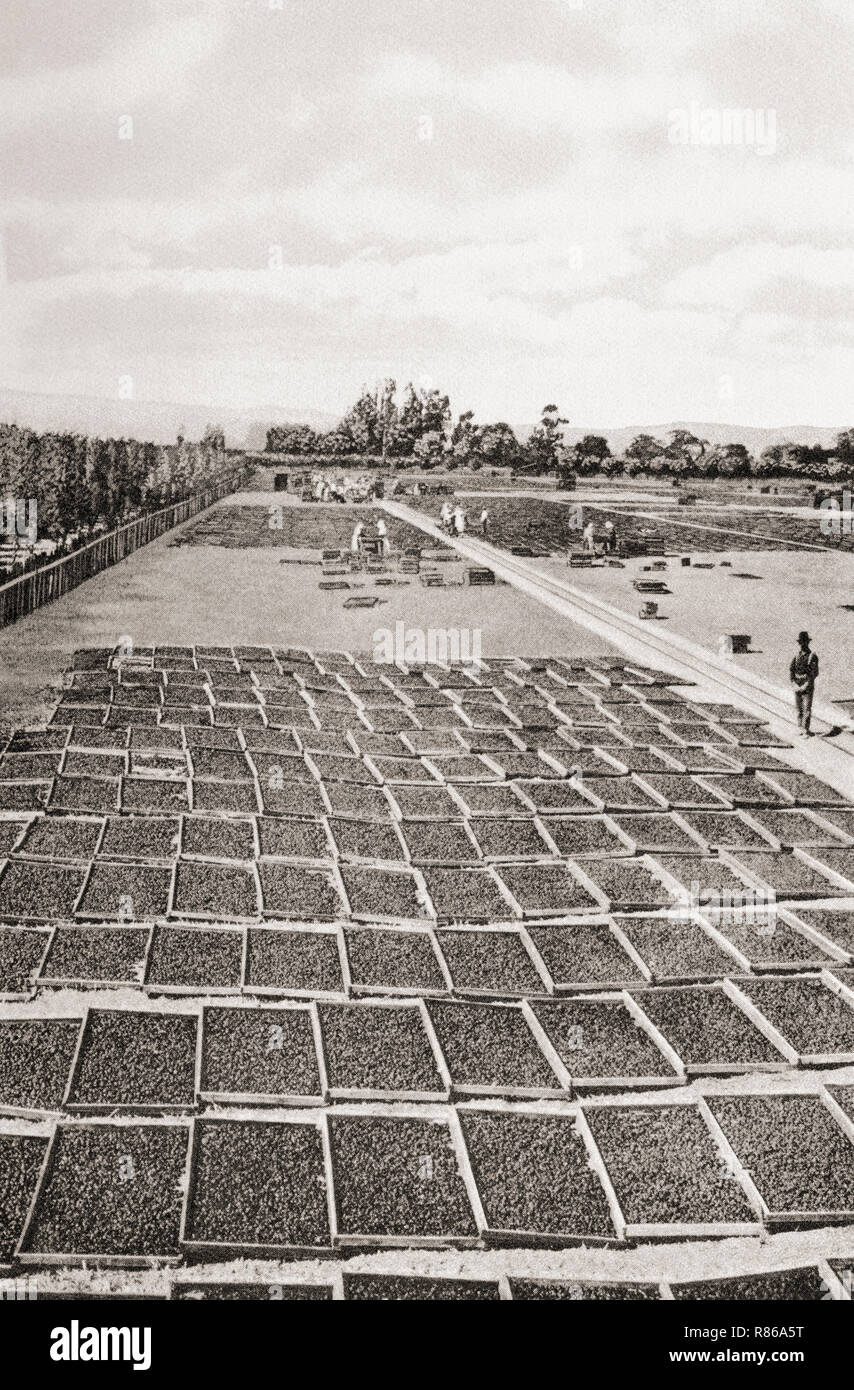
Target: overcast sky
[490,195]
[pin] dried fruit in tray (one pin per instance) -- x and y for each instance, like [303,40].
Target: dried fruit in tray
[218,891]
[292,798]
[837,860]
[601,1038]
[707,1029]
[111,1190]
[384,893]
[703,879]
[258,1185]
[377,1048]
[815,1020]
[380,958]
[583,835]
[33,890]
[665,1167]
[490,962]
[547,889]
[97,955]
[507,839]
[151,796]
[675,949]
[836,924]
[728,829]
[787,875]
[130,1060]
[294,891]
[357,839]
[191,958]
[24,796]
[140,837]
[233,1292]
[267,1053]
[802,1285]
[126,892]
[653,832]
[542,1290]
[398,1177]
[533,1175]
[229,798]
[490,1047]
[803,789]
[559,797]
[62,837]
[765,938]
[491,799]
[399,1287]
[284,838]
[92,794]
[584,955]
[30,767]
[218,838]
[425,803]
[796,1154]
[35,1061]
[628,883]
[293,962]
[467,895]
[439,842]
[21,1159]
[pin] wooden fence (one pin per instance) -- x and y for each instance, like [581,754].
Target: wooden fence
[30,591]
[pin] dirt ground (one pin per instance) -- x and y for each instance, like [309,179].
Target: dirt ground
[212,594]
[795,590]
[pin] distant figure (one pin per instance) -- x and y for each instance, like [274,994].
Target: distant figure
[610,537]
[589,537]
[803,672]
[445,516]
[382,534]
[459,522]
[484,522]
[356,538]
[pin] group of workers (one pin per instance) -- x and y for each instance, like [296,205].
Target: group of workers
[588,537]
[379,531]
[454,520]
[360,489]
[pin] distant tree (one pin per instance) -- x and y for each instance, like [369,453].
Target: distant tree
[590,453]
[546,450]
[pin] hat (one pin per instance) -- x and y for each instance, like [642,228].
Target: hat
[803,639]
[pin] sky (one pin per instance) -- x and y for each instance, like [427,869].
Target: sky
[271,202]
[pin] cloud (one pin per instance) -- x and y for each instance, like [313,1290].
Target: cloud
[145,68]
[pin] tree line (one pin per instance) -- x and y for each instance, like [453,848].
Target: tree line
[418,428]
[80,483]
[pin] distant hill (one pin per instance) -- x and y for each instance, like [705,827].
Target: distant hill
[754,438]
[158,421]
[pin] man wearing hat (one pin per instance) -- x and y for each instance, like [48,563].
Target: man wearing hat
[802,673]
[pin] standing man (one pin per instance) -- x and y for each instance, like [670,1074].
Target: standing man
[610,537]
[382,533]
[589,538]
[484,523]
[802,673]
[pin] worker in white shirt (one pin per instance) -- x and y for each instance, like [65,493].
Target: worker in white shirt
[356,538]
[382,534]
[445,516]
[459,521]
[484,523]
[589,537]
